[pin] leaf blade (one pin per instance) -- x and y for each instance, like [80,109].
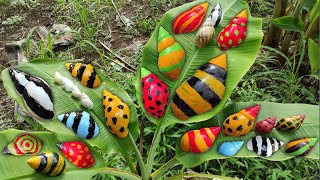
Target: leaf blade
[289,23]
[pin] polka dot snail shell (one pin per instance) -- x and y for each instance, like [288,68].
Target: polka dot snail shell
[78,154]
[117,114]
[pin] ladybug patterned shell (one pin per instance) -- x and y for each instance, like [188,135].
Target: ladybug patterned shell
[266,125]
[301,147]
[77,153]
[290,123]
[117,114]
[171,55]
[203,91]
[49,163]
[155,94]
[190,20]
[234,33]
[85,73]
[24,144]
[241,122]
[199,141]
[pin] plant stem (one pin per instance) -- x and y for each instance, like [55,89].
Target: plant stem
[139,157]
[152,151]
[288,38]
[159,172]
[129,162]
[116,172]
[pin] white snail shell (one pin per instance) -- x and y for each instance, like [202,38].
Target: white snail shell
[76,92]
[57,78]
[87,103]
[68,84]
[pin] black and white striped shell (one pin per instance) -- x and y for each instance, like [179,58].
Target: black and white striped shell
[264,146]
[36,94]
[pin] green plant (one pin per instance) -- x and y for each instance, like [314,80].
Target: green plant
[12,20]
[238,65]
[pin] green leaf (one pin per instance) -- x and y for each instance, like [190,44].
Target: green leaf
[15,167]
[310,128]
[289,23]
[198,176]
[309,4]
[314,54]
[315,12]
[239,59]
[64,102]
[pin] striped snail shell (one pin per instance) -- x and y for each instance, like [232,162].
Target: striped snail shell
[206,32]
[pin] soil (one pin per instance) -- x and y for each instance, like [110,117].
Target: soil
[10,33]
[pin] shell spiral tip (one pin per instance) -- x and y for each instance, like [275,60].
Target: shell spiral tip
[254,110]
[215,131]
[303,116]
[144,72]
[243,14]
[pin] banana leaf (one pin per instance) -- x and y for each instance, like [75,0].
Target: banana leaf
[64,102]
[239,59]
[15,167]
[309,128]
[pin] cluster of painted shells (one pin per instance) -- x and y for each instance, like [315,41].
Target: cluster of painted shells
[24,144]
[36,94]
[81,123]
[78,154]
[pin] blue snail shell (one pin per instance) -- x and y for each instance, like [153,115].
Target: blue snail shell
[81,123]
[230,148]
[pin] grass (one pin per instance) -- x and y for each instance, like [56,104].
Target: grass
[99,20]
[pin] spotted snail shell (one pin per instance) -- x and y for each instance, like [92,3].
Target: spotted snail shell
[301,147]
[235,33]
[265,126]
[230,148]
[190,20]
[81,123]
[78,154]
[206,32]
[36,93]
[155,94]
[117,114]
[199,141]
[24,144]
[49,163]
[203,91]
[264,146]
[290,123]
[240,123]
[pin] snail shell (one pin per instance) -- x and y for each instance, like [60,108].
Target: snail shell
[76,92]
[206,32]
[68,84]
[57,78]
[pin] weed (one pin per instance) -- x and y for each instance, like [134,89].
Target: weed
[12,20]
